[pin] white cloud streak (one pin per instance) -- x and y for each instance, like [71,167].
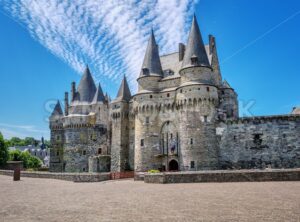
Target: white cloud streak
[22,131]
[110,36]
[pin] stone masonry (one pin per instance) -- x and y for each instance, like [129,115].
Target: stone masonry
[184,117]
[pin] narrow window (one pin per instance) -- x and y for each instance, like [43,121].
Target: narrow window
[145,71]
[191,141]
[207,89]
[99,151]
[234,138]
[223,92]
[147,119]
[57,153]
[181,91]
[142,142]
[194,60]
[83,169]
[192,164]
[171,135]
[168,95]
[205,119]
[83,152]
[150,96]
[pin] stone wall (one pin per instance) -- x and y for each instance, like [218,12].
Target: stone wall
[260,142]
[75,177]
[224,176]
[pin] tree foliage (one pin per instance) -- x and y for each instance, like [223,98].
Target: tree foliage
[29,161]
[3,151]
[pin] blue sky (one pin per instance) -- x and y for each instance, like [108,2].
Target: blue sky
[45,44]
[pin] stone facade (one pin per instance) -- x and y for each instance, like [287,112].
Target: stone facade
[183,117]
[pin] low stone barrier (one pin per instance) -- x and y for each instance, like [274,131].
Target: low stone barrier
[75,177]
[224,176]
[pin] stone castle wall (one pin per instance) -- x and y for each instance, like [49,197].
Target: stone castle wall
[260,142]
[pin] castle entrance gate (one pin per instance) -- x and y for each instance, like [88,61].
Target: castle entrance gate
[173,165]
[169,145]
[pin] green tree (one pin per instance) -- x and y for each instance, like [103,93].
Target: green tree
[29,141]
[29,161]
[3,151]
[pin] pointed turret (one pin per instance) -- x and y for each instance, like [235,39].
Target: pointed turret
[195,54]
[99,96]
[57,111]
[151,63]
[86,88]
[226,85]
[124,91]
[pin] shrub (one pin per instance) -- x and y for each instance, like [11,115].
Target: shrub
[29,161]
[153,171]
[3,151]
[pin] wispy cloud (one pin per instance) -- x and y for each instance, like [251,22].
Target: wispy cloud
[111,35]
[10,130]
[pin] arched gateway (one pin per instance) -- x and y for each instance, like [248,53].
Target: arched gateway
[173,165]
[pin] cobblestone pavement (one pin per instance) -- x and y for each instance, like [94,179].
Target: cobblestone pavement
[126,200]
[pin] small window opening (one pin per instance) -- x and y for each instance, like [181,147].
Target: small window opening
[191,141]
[151,96]
[147,119]
[194,60]
[181,91]
[168,94]
[145,71]
[83,152]
[192,164]
[57,153]
[207,89]
[205,119]
[142,142]
[100,151]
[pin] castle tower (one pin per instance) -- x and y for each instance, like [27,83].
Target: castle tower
[151,71]
[119,111]
[195,65]
[197,99]
[56,139]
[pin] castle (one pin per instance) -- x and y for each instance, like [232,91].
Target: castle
[183,117]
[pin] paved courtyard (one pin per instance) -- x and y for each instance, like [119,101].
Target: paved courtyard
[125,200]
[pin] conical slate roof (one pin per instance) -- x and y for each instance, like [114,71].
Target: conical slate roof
[99,97]
[226,84]
[86,88]
[57,111]
[151,64]
[124,91]
[195,48]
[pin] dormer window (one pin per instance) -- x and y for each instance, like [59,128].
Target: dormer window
[145,71]
[168,72]
[194,60]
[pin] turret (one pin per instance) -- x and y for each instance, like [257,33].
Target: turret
[86,89]
[120,129]
[195,65]
[56,139]
[228,101]
[99,96]
[151,71]
[215,60]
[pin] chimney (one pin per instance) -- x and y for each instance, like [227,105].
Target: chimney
[66,103]
[181,51]
[73,91]
[211,43]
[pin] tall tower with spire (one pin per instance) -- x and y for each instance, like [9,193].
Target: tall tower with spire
[57,139]
[119,111]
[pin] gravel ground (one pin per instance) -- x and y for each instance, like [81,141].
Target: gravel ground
[125,200]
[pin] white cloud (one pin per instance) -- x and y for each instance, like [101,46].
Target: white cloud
[22,131]
[110,36]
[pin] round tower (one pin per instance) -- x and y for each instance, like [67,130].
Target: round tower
[197,101]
